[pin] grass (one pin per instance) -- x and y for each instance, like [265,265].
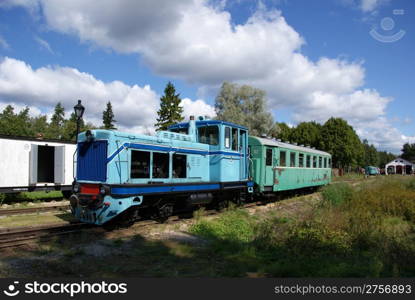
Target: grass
[362,231]
[25,197]
[349,177]
[365,230]
[34,220]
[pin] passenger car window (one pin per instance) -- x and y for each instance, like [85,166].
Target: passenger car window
[292,159]
[314,161]
[308,161]
[320,162]
[160,165]
[140,164]
[283,159]
[208,135]
[301,160]
[268,157]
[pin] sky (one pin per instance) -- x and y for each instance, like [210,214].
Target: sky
[352,59]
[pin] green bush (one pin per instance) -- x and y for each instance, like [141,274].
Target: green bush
[271,232]
[314,239]
[363,231]
[336,194]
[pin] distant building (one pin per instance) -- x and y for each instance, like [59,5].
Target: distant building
[399,166]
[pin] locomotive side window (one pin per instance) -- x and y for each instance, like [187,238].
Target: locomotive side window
[235,139]
[292,159]
[283,159]
[179,166]
[227,137]
[301,160]
[140,164]
[160,165]
[314,161]
[208,135]
[242,137]
[268,157]
[308,161]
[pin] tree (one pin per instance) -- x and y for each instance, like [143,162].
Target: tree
[408,152]
[284,132]
[307,133]
[170,111]
[245,105]
[7,117]
[15,124]
[57,121]
[370,155]
[384,158]
[108,117]
[39,125]
[340,139]
[68,132]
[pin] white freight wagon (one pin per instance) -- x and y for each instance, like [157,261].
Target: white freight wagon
[30,164]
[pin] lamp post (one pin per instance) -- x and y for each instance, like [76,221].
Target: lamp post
[79,111]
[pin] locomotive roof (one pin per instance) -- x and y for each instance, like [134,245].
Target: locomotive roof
[275,143]
[207,122]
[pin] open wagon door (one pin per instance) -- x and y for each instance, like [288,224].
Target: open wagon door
[33,157]
[59,166]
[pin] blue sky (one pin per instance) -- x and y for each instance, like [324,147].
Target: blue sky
[315,59]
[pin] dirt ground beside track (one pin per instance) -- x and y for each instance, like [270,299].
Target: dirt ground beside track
[68,255]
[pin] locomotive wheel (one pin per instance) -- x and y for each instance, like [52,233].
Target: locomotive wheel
[163,212]
[222,204]
[240,199]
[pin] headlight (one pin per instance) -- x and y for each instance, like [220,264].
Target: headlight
[102,190]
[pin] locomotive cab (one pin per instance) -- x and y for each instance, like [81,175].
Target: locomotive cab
[228,147]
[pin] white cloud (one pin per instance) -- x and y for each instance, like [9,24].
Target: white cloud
[371,5]
[33,110]
[135,107]
[199,43]
[197,108]
[383,135]
[44,44]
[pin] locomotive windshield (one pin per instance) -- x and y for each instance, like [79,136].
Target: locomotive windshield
[208,135]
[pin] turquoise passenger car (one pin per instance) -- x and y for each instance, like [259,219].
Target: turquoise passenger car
[278,166]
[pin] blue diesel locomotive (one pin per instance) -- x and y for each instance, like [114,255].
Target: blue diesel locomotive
[129,175]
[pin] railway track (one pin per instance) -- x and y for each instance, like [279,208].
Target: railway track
[33,210]
[24,235]
[21,236]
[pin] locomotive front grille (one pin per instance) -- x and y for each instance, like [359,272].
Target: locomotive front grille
[92,161]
